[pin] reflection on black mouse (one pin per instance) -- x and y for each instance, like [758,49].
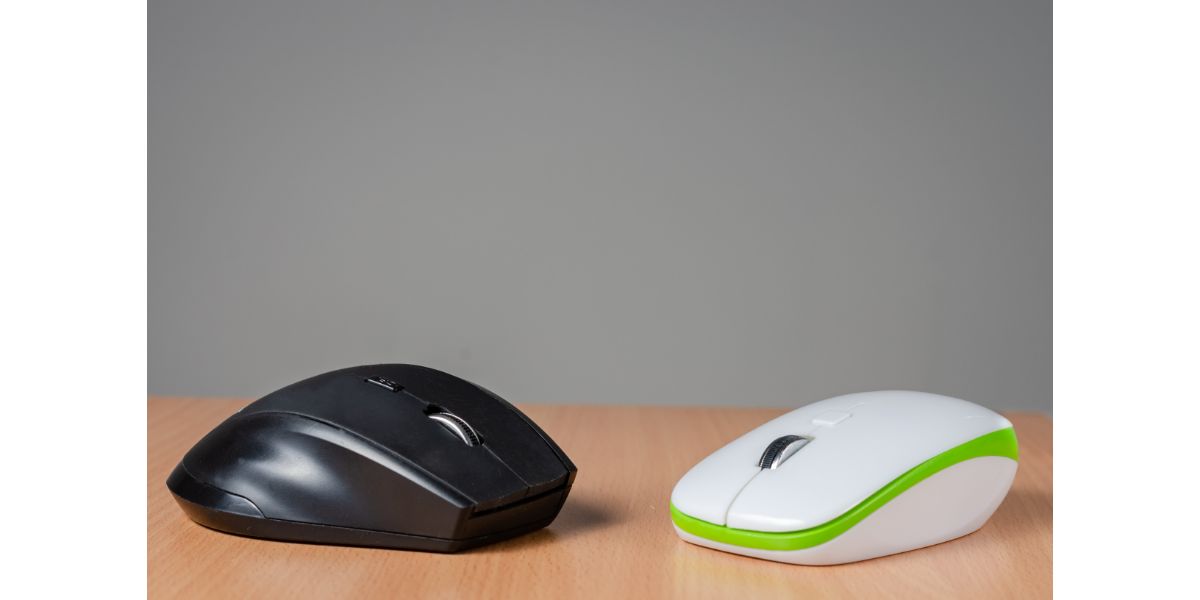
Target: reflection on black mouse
[397,456]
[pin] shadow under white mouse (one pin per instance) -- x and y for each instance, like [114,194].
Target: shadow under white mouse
[851,478]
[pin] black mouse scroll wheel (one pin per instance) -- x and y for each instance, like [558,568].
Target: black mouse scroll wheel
[780,450]
[458,427]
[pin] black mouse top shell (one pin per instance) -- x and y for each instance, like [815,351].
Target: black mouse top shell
[397,456]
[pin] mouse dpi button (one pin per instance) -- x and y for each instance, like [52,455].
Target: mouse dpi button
[385,383]
[830,418]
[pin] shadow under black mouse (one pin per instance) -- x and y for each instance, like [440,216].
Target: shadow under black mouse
[396,456]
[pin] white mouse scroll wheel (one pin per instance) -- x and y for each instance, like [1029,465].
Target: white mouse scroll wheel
[458,427]
[780,450]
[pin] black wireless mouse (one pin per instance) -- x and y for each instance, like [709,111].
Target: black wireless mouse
[396,456]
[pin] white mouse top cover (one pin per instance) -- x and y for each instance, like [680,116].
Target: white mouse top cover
[858,444]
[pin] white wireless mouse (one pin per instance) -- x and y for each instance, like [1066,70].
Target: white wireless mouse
[850,478]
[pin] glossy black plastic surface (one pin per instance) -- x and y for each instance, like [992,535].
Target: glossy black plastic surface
[352,457]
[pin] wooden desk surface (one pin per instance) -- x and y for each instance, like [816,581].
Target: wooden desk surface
[613,538]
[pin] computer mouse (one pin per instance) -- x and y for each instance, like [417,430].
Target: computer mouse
[394,456]
[850,478]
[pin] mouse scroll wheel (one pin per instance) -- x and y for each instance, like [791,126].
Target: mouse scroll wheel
[458,427]
[780,450]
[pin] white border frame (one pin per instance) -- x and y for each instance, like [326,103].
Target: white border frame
[72,242]
[1125,296]
[73,246]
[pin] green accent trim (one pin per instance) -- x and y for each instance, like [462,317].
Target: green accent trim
[1002,442]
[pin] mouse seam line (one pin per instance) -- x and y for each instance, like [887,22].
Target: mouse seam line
[725,517]
[528,485]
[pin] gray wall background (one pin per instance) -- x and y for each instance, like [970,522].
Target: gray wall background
[745,203]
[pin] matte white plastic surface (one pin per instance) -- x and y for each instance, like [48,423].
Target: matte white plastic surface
[949,504]
[885,434]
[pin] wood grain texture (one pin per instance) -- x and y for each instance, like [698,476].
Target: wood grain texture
[613,538]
